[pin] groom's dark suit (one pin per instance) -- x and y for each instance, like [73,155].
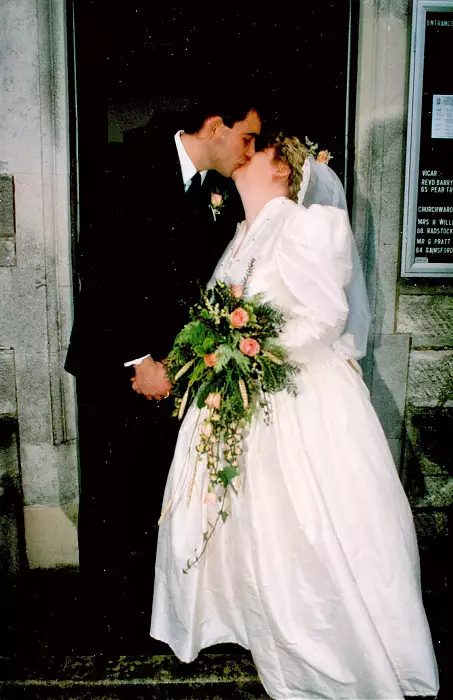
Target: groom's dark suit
[153,242]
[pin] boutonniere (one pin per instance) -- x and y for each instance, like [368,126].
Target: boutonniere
[217,202]
[321,156]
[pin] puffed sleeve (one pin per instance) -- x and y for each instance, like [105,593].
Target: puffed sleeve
[313,256]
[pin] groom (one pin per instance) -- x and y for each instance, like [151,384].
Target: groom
[164,224]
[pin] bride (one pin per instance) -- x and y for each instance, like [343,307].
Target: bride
[316,570]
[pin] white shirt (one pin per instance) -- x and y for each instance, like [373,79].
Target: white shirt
[188,170]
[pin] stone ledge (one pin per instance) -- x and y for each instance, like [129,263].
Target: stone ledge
[118,669]
[209,676]
[253,691]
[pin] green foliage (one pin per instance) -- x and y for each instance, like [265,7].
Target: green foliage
[227,475]
[210,332]
[228,358]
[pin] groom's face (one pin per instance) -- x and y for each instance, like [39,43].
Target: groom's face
[236,144]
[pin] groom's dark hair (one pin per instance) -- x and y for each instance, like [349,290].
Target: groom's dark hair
[231,106]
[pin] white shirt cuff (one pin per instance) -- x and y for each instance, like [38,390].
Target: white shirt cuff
[136,362]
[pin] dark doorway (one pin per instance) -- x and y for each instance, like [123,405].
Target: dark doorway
[145,57]
[134,58]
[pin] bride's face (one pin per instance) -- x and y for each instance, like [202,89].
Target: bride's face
[260,170]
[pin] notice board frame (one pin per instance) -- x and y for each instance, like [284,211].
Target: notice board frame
[409,266]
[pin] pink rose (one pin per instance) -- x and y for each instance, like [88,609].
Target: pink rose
[210,499]
[237,290]
[239,317]
[323,157]
[216,199]
[210,360]
[213,400]
[249,346]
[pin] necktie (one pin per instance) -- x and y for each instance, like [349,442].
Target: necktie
[195,186]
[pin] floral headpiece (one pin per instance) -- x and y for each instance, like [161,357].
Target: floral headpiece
[290,150]
[321,156]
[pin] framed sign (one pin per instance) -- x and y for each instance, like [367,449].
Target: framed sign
[428,200]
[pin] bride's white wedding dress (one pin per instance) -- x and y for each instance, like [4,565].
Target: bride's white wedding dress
[316,570]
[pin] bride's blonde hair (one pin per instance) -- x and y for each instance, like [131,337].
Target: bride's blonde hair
[289,150]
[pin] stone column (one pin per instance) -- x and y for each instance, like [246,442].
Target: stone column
[378,199]
[409,367]
[35,275]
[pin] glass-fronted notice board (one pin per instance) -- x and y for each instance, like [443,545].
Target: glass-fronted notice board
[428,205]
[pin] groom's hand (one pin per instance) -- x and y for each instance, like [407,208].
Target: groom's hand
[151,380]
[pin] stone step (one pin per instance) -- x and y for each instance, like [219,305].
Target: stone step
[140,677]
[210,677]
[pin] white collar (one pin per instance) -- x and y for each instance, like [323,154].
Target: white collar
[188,169]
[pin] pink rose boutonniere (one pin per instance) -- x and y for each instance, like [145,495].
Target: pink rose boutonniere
[216,204]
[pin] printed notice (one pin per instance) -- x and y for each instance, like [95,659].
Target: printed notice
[442,122]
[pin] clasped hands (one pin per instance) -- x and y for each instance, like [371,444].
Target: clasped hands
[151,380]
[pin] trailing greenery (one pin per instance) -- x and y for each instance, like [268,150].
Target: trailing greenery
[227,359]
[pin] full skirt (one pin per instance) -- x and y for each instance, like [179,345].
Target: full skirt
[316,569]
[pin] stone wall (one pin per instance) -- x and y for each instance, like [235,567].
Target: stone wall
[35,279]
[11,512]
[426,312]
[409,366]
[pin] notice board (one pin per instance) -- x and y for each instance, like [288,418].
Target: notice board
[428,205]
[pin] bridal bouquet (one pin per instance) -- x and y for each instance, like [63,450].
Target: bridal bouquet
[227,359]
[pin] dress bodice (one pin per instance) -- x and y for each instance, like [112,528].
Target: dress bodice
[302,264]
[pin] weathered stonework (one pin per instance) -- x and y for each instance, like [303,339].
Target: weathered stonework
[409,397]
[391,355]
[11,501]
[7,222]
[428,471]
[378,200]
[8,404]
[428,318]
[214,676]
[35,290]
[431,525]
[7,226]
[430,379]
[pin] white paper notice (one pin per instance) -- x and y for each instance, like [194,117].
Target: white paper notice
[442,124]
